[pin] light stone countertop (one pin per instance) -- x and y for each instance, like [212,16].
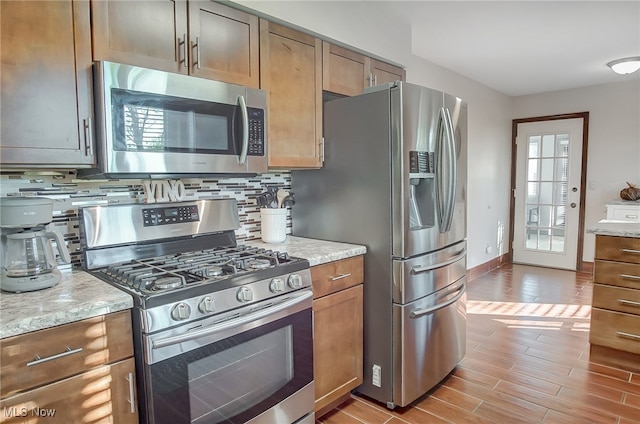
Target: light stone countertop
[607,227]
[77,296]
[315,251]
[80,295]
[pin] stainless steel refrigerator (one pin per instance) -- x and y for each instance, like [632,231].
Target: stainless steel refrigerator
[394,179]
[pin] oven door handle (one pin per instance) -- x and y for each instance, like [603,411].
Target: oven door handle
[232,323]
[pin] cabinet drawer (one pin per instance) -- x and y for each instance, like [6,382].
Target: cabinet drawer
[624,214]
[43,356]
[617,274]
[106,394]
[616,330]
[622,249]
[335,276]
[616,298]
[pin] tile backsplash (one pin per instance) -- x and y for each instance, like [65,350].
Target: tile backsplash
[70,193]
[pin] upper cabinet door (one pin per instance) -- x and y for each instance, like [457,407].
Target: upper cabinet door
[200,38]
[46,83]
[148,33]
[291,73]
[343,71]
[381,73]
[223,44]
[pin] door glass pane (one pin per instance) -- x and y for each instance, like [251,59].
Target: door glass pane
[548,145]
[534,146]
[546,169]
[533,192]
[547,192]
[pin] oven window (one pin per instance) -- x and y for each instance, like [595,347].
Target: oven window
[148,122]
[228,382]
[234,379]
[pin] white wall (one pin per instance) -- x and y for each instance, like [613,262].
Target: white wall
[614,139]
[489,125]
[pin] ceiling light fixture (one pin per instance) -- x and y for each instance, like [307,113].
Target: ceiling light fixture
[628,65]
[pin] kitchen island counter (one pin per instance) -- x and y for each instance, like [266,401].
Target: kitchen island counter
[608,227]
[316,251]
[77,296]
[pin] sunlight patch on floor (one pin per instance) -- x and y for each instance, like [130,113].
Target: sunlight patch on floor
[542,310]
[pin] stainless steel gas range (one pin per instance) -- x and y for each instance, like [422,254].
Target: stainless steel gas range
[222,332]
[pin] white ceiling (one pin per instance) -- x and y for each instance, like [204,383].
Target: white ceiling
[523,47]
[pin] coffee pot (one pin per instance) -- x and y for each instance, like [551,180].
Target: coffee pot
[29,262]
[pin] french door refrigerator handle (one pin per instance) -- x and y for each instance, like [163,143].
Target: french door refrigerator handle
[446,170]
[440,195]
[452,169]
[419,269]
[421,312]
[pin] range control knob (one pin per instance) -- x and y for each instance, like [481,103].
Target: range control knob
[180,311]
[206,305]
[245,294]
[276,285]
[294,281]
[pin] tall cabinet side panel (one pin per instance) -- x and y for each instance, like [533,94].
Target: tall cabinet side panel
[349,200]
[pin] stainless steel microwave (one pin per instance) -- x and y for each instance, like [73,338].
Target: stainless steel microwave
[152,123]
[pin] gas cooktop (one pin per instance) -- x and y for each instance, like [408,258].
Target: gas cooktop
[170,272]
[180,262]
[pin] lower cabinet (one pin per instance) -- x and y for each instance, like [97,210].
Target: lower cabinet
[105,393]
[338,331]
[81,372]
[614,334]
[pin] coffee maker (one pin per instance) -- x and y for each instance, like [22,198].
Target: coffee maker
[28,259]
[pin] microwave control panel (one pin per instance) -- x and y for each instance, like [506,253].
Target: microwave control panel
[256,131]
[170,215]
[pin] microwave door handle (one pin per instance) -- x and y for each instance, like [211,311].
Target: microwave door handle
[245,130]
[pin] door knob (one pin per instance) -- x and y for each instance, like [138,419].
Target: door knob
[573,205]
[574,189]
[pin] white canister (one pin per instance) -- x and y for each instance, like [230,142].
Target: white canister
[274,224]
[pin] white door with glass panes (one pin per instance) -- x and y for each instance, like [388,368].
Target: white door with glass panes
[547,193]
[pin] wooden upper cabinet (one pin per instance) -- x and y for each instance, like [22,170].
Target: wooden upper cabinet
[224,44]
[348,73]
[142,33]
[381,72]
[200,38]
[45,88]
[291,73]
[343,71]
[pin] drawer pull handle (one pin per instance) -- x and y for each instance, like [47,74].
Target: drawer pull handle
[632,216]
[68,351]
[629,302]
[132,399]
[630,277]
[630,251]
[340,277]
[628,335]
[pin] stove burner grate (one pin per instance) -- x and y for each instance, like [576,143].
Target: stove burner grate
[169,272]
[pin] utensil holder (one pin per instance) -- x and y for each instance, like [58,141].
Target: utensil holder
[273,225]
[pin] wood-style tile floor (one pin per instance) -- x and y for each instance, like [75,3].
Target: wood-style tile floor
[527,361]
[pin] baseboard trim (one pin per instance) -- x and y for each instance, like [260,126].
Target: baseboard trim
[586,267]
[482,269]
